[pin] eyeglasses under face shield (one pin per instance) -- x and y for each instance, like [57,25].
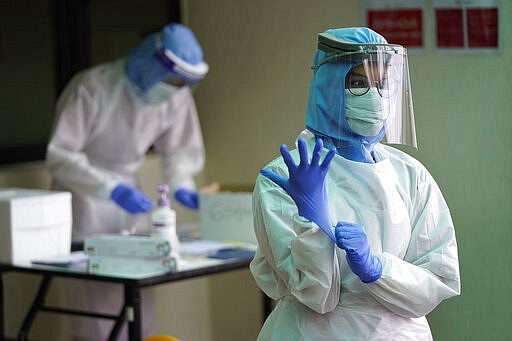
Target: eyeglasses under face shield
[380,66]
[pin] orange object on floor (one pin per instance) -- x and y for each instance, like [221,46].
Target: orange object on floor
[161,338]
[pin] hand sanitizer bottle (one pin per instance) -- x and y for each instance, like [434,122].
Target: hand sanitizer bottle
[163,220]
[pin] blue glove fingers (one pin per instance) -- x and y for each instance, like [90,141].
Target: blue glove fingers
[144,204]
[339,234]
[303,152]
[187,198]
[287,158]
[131,199]
[350,237]
[317,151]
[306,184]
[276,178]
[354,241]
[327,160]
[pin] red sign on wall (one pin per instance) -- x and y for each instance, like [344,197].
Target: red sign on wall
[482,27]
[398,26]
[450,27]
[469,28]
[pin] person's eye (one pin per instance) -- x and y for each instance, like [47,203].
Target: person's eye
[384,83]
[358,82]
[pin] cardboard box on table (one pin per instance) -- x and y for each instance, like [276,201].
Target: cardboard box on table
[127,246]
[129,255]
[34,224]
[227,215]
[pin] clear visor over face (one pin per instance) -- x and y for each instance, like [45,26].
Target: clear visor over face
[377,89]
[187,72]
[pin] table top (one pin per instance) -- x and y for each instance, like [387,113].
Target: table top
[190,268]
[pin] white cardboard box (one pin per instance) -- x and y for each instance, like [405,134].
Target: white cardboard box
[133,246]
[131,266]
[226,216]
[34,224]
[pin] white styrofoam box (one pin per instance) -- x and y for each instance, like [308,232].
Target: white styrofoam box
[131,245]
[34,224]
[226,216]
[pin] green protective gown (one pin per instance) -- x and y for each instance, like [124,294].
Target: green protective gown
[409,227]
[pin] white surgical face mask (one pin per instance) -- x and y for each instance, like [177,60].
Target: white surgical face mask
[365,114]
[158,93]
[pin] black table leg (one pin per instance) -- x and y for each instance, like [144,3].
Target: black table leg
[114,333]
[132,312]
[34,309]
[2,335]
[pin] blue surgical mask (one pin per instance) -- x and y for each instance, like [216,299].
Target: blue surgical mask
[365,114]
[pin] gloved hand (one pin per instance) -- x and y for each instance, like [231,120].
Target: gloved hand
[306,184]
[187,198]
[351,238]
[131,199]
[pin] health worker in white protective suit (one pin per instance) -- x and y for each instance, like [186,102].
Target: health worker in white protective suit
[356,243]
[108,118]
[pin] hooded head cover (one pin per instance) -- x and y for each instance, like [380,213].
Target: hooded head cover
[326,116]
[173,52]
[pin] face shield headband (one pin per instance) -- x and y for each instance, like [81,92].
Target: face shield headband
[376,83]
[187,72]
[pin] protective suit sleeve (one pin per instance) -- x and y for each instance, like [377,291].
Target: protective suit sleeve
[294,256]
[429,272]
[77,112]
[181,145]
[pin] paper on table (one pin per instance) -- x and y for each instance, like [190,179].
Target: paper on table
[203,247]
[72,259]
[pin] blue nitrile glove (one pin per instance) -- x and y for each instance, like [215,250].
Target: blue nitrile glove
[351,238]
[187,198]
[131,199]
[306,184]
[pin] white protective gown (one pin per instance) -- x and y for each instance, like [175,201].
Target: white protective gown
[103,131]
[409,227]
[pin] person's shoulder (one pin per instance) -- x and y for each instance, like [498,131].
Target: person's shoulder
[275,164]
[400,158]
[103,71]
[404,162]
[182,95]
[397,155]
[264,185]
[99,79]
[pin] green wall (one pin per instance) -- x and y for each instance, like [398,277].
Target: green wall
[463,112]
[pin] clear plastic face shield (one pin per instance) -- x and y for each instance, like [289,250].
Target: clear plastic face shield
[150,64]
[377,97]
[183,72]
